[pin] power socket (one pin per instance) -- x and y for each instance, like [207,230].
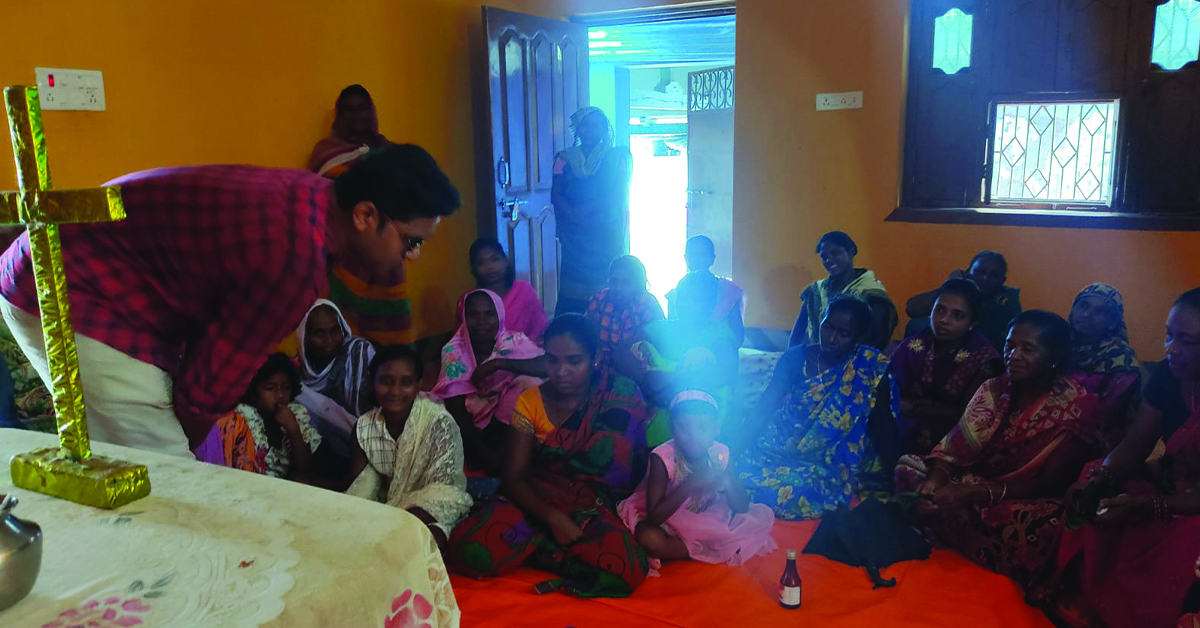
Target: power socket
[70,90]
[842,100]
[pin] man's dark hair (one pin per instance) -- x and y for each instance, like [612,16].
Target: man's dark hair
[403,182]
[989,254]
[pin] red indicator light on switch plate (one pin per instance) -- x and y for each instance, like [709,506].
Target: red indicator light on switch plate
[50,80]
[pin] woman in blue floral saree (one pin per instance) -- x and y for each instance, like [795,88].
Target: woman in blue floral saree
[824,432]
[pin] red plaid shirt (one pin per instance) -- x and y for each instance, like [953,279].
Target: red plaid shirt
[213,268]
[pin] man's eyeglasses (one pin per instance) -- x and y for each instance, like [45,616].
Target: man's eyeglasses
[411,243]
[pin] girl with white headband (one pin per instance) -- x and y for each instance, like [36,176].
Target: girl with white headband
[690,506]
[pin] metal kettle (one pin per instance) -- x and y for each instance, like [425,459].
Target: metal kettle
[20,554]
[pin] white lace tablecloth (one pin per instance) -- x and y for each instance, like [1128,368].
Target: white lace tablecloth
[219,547]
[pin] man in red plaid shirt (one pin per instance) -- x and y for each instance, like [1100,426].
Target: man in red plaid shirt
[176,307]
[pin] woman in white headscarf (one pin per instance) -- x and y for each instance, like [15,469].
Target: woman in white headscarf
[590,193]
[333,372]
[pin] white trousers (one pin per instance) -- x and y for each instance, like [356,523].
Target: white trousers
[128,401]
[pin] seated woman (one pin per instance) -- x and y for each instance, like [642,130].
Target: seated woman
[355,132]
[577,448]
[1131,564]
[837,253]
[621,312]
[485,366]
[938,370]
[269,433]
[688,351]
[523,311]
[407,451]
[333,374]
[1001,303]
[992,489]
[829,430]
[1101,354]
[729,308]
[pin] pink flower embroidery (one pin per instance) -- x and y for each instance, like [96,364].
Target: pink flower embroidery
[113,612]
[409,611]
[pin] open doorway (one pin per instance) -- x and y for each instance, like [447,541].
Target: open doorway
[667,84]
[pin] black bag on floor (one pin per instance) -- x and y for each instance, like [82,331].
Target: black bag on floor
[874,535]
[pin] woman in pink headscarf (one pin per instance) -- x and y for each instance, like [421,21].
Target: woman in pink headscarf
[485,366]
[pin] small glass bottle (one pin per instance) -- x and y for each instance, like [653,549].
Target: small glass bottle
[789,583]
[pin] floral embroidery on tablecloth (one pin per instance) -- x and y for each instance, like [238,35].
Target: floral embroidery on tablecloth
[410,611]
[113,611]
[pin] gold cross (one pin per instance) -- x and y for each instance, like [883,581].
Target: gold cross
[69,472]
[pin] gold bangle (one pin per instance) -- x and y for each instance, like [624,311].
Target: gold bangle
[991,495]
[944,472]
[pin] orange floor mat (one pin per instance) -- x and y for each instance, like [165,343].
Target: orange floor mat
[944,591]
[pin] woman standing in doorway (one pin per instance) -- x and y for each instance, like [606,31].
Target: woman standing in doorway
[591,206]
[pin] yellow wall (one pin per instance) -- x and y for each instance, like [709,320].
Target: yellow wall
[200,81]
[229,81]
[800,173]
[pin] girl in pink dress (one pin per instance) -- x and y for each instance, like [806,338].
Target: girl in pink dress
[690,505]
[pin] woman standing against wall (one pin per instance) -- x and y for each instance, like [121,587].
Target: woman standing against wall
[591,206]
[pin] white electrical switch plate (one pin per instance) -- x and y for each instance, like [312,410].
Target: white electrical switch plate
[843,100]
[70,90]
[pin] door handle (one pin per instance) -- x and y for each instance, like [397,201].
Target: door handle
[503,173]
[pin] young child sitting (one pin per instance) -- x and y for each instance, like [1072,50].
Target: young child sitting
[691,505]
[408,452]
[269,433]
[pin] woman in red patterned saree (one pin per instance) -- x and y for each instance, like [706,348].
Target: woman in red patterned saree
[1132,563]
[992,489]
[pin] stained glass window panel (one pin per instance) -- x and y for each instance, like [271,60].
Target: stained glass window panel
[1176,34]
[952,41]
[1055,152]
